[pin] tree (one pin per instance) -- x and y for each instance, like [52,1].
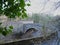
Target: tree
[36,18]
[12,9]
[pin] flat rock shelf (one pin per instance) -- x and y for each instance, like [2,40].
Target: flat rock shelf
[41,37]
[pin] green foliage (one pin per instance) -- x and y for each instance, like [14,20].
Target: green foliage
[11,27]
[4,30]
[12,9]
[28,4]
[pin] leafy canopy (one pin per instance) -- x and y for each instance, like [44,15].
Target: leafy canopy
[12,9]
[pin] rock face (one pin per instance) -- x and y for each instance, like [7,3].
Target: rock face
[24,29]
[29,33]
[52,40]
[37,26]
